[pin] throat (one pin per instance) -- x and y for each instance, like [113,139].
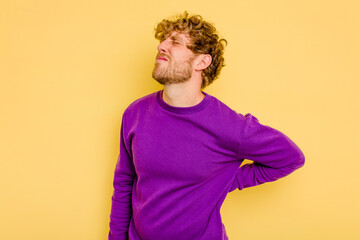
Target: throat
[182,99]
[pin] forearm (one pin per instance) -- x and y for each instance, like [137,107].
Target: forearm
[121,209]
[254,174]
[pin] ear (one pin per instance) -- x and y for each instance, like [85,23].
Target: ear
[203,61]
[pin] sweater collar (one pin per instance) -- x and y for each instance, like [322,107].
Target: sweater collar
[183,110]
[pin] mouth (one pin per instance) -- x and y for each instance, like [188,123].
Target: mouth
[161,58]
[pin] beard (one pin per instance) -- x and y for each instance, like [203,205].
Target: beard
[171,72]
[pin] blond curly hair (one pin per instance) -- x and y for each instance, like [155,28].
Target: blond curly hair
[204,39]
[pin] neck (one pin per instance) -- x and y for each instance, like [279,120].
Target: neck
[182,94]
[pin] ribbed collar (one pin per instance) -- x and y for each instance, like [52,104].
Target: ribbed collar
[183,110]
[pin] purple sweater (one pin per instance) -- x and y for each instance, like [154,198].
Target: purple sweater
[176,166]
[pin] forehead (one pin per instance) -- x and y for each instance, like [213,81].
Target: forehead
[179,36]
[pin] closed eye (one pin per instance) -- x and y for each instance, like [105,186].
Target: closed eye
[175,40]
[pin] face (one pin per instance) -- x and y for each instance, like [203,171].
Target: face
[174,60]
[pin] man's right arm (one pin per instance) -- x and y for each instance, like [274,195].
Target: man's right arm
[121,209]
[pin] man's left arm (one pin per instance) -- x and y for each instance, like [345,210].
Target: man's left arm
[274,155]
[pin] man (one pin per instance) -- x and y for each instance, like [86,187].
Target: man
[181,149]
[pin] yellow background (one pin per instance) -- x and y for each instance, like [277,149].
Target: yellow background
[69,68]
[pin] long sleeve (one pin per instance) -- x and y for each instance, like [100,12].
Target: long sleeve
[274,155]
[121,210]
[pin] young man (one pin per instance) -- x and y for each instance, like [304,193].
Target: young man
[181,149]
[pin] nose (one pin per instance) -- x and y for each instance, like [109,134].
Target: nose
[162,47]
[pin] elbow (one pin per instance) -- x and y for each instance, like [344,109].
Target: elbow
[300,160]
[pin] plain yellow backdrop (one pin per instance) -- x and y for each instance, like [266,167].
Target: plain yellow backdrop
[69,68]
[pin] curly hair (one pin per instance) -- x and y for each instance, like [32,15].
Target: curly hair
[203,40]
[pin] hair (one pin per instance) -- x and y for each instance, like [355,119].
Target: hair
[204,39]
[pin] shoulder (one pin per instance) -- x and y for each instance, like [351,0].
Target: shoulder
[225,111]
[141,104]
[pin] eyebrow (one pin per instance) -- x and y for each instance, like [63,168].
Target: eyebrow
[176,38]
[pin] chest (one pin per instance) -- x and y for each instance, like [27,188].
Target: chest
[179,149]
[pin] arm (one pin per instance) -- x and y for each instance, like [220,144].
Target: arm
[121,209]
[274,155]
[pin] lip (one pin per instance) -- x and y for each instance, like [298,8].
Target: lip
[161,58]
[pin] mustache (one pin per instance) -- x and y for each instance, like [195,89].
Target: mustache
[163,55]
